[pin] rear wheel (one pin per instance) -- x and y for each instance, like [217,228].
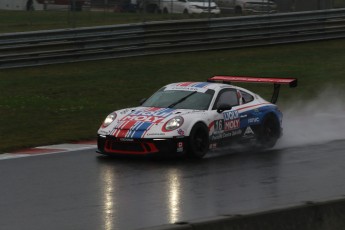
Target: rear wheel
[269,132]
[198,141]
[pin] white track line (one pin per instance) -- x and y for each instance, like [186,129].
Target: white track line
[46,150]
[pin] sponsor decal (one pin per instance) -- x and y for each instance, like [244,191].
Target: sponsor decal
[189,86]
[151,119]
[253,120]
[153,115]
[193,84]
[218,136]
[231,120]
[139,121]
[156,134]
[248,132]
[180,132]
[226,135]
[179,147]
[126,139]
[218,125]
[152,111]
[230,115]
[236,132]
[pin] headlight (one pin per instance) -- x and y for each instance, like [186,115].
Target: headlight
[109,119]
[173,124]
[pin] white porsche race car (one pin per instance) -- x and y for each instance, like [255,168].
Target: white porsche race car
[193,117]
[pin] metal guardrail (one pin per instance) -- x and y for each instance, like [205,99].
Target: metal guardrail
[106,42]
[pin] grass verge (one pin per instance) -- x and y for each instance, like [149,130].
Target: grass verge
[59,103]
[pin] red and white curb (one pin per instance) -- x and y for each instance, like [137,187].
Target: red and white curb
[50,149]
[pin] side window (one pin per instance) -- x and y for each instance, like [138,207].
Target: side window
[227,96]
[246,97]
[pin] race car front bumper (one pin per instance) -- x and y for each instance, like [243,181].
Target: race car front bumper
[110,145]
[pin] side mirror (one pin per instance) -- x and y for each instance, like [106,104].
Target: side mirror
[142,101]
[222,107]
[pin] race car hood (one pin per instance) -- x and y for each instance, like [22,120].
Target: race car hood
[143,122]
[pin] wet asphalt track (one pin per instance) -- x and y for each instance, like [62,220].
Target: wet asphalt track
[81,190]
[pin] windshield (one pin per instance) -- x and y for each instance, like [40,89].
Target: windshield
[180,99]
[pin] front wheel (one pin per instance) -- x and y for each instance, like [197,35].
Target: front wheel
[198,141]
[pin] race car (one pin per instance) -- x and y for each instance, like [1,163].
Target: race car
[191,118]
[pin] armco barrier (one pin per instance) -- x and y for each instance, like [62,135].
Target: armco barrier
[105,42]
[311,216]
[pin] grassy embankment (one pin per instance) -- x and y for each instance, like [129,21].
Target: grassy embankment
[58,103]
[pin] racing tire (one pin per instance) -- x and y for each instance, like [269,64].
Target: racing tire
[269,132]
[198,144]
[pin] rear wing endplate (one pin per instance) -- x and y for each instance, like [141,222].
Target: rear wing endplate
[292,82]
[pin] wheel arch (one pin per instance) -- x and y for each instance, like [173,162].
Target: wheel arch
[264,117]
[190,127]
[198,140]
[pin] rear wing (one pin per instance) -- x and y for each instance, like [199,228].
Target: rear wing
[292,82]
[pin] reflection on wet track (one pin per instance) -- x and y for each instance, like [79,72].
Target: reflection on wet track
[173,194]
[107,183]
[82,190]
